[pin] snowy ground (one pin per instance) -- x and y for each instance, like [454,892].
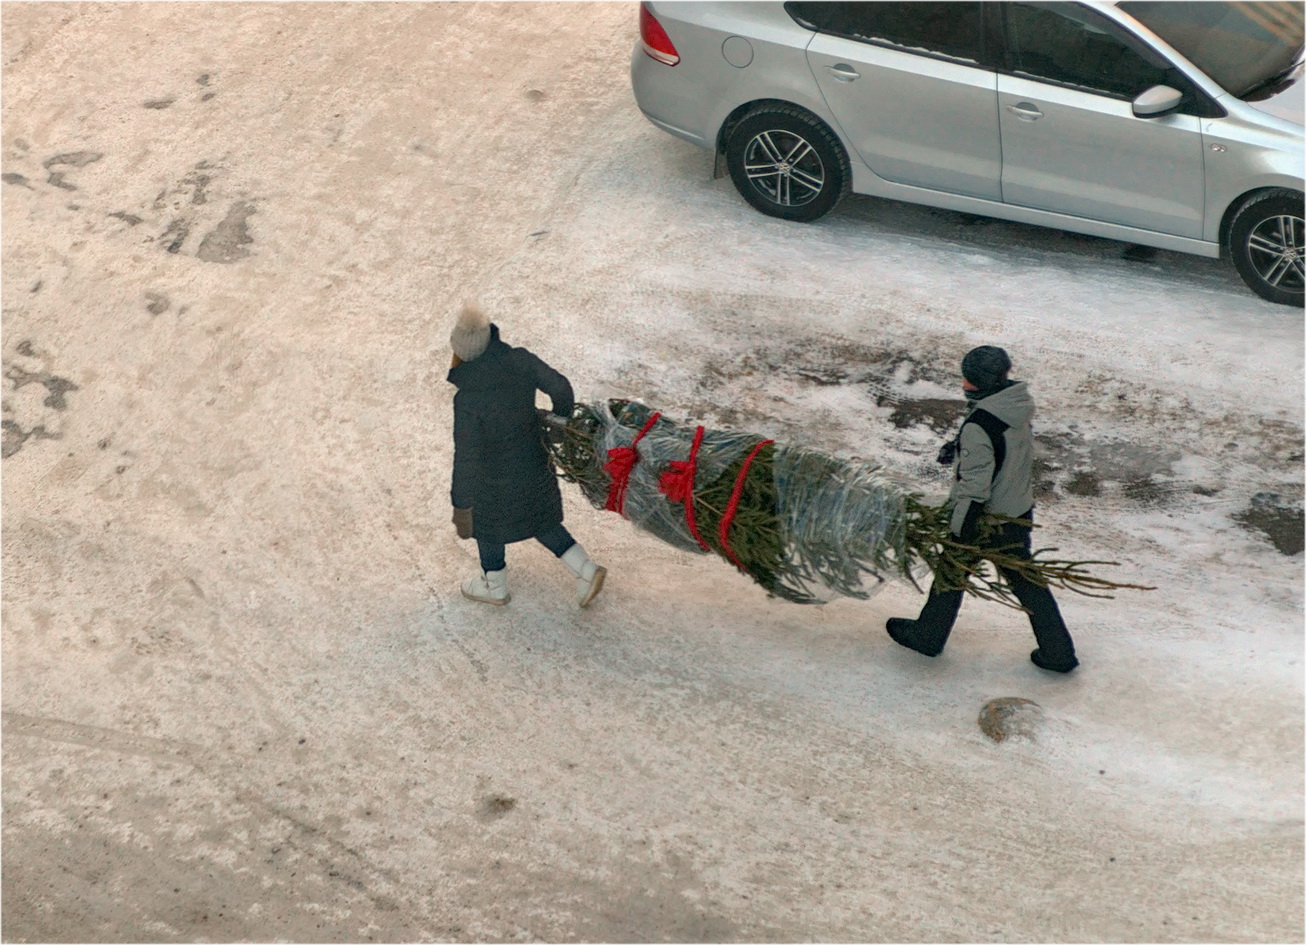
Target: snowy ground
[243,698]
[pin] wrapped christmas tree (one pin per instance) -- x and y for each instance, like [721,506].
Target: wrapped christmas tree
[804,525]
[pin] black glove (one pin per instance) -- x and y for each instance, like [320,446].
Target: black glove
[462,522]
[550,424]
[948,453]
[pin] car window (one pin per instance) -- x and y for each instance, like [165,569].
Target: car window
[952,30]
[1071,45]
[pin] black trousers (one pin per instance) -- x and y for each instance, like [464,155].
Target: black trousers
[493,553]
[942,606]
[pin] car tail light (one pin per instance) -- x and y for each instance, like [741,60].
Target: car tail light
[655,39]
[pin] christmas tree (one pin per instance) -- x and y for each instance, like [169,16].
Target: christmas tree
[803,524]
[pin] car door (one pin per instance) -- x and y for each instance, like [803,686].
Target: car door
[1070,141]
[908,84]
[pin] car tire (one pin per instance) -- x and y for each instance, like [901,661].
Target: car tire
[787,163]
[1266,239]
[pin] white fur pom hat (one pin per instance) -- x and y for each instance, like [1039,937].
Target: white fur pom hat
[471,334]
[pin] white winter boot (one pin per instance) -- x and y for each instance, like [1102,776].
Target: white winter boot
[589,576]
[488,587]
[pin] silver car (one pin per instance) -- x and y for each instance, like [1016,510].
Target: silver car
[1168,124]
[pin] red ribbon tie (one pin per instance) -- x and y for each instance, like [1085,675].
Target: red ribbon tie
[621,463]
[724,530]
[677,484]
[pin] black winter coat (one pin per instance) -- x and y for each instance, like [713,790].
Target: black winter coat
[501,467]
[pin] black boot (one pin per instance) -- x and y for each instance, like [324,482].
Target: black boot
[1056,649]
[1042,662]
[907,633]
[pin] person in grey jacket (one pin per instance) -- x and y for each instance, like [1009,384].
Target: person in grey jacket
[504,488]
[995,458]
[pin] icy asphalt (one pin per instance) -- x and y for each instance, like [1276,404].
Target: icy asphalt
[242,696]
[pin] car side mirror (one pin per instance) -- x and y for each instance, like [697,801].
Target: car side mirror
[1157,101]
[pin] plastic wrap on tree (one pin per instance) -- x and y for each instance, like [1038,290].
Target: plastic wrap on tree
[807,526]
[842,524]
[665,442]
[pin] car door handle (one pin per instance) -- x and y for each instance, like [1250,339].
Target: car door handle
[1025,111]
[843,72]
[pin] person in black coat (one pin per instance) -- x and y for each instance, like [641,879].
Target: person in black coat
[504,488]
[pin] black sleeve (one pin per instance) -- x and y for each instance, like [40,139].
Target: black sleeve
[556,386]
[466,456]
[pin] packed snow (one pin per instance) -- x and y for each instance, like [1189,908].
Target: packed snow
[243,696]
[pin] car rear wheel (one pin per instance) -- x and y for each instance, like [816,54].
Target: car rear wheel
[1267,240]
[787,164]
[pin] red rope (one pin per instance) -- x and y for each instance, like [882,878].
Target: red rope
[677,484]
[734,505]
[621,462]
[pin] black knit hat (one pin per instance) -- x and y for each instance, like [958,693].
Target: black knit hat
[986,366]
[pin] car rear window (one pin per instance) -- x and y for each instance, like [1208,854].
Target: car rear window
[952,30]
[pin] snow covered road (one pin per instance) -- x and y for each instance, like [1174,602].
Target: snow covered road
[243,698]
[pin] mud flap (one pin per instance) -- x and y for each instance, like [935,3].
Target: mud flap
[719,165]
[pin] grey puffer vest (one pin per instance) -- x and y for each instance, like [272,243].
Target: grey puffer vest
[1006,487]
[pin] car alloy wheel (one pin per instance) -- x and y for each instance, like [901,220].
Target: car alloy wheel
[1276,249]
[784,167]
[1266,239]
[786,162]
